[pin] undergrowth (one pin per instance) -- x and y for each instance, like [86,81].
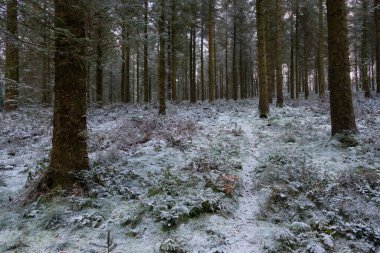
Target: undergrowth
[323,213]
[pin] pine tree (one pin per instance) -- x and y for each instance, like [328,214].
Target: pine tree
[377,22]
[161,59]
[210,26]
[342,112]
[364,63]
[11,58]
[279,77]
[320,65]
[260,19]
[69,151]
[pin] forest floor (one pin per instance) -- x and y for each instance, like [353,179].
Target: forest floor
[204,178]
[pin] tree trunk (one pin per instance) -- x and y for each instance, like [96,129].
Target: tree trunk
[227,76]
[127,68]
[161,60]
[11,67]
[174,50]
[321,74]
[69,147]
[211,88]
[279,77]
[202,64]
[342,112]
[297,60]
[306,53]
[146,70]
[377,21]
[123,65]
[99,63]
[260,19]
[234,67]
[270,68]
[364,70]
[46,90]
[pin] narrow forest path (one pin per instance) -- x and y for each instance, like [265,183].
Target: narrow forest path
[245,232]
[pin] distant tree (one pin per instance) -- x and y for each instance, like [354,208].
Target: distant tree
[260,19]
[161,59]
[320,65]
[210,26]
[11,58]
[146,67]
[279,77]
[69,147]
[342,112]
[364,63]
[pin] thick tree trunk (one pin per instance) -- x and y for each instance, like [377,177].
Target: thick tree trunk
[260,19]
[69,151]
[342,112]
[11,67]
[279,77]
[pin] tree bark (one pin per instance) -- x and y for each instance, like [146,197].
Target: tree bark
[146,70]
[161,60]
[279,77]
[210,24]
[174,51]
[297,60]
[260,19]
[69,147]
[377,21]
[321,74]
[11,67]
[364,63]
[342,112]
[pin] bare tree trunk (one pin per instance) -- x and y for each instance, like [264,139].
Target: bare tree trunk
[306,53]
[174,50]
[260,17]
[69,151]
[146,70]
[161,60]
[377,21]
[364,63]
[342,112]
[202,64]
[211,87]
[99,63]
[12,77]
[297,60]
[279,77]
[321,74]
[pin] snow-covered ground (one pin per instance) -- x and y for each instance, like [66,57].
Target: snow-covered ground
[197,180]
